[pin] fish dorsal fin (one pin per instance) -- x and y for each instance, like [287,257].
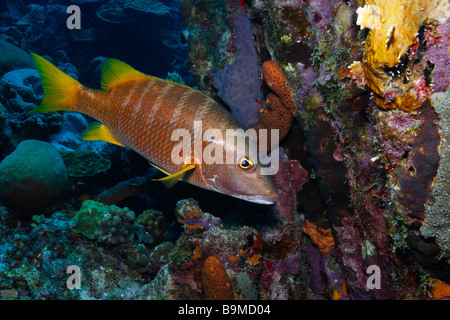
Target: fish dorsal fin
[115,72]
[172,179]
[98,131]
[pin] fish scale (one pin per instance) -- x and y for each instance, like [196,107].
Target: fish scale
[141,112]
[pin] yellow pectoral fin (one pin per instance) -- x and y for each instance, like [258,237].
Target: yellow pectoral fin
[98,131]
[172,179]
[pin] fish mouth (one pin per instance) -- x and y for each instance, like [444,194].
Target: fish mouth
[260,199]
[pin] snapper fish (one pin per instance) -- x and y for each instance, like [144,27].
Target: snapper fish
[141,112]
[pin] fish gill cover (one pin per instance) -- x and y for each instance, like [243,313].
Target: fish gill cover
[357,208]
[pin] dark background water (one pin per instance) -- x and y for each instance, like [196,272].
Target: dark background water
[150,42]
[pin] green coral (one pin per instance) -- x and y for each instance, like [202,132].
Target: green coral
[84,163]
[331,56]
[152,221]
[85,221]
[401,233]
[109,224]
[37,220]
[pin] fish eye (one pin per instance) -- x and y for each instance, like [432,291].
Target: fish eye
[246,164]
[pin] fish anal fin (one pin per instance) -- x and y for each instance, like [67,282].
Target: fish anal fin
[115,72]
[172,179]
[159,168]
[98,131]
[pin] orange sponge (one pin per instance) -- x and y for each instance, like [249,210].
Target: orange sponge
[322,238]
[281,106]
[276,116]
[440,289]
[276,80]
[216,283]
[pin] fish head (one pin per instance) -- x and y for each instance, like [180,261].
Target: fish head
[245,184]
[242,177]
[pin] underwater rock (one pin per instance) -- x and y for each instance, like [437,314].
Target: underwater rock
[23,126]
[437,214]
[116,11]
[23,86]
[128,188]
[3,113]
[12,57]
[161,252]
[69,137]
[33,176]
[289,179]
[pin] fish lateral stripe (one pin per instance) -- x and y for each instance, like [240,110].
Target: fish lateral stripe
[60,90]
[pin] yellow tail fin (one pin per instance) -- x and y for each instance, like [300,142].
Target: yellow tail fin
[60,90]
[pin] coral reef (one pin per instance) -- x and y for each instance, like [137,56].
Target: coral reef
[84,163]
[153,223]
[109,224]
[85,221]
[359,92]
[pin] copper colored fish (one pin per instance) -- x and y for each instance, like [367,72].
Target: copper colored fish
[142,112]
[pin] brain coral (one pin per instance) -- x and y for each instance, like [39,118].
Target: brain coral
[33,176]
